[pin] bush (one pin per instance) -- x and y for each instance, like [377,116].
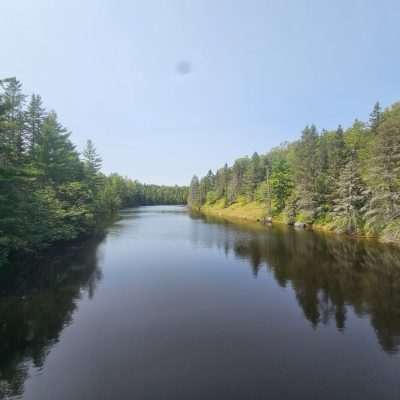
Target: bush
[212,197]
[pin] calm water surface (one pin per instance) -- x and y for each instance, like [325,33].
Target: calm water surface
[173,306]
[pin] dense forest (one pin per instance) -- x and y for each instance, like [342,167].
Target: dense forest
[344,180]
[48,191]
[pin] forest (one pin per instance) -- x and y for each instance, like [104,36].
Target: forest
[49,192]
[344,180]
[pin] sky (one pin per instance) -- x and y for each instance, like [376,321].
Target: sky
[168,89]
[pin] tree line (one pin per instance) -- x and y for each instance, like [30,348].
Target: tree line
[347,180]
[50,192]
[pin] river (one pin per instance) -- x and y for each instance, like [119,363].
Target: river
[169,305]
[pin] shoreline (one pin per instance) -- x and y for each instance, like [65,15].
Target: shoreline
[237,214]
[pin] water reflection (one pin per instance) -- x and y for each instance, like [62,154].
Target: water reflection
[182,315]
[328,273]
[37,301]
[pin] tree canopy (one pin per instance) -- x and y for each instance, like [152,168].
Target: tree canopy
[347,180]
[49,191]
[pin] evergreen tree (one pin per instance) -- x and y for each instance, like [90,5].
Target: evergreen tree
[264,194]
[347,178]
[56,157]
[47,193]
[12,137]
[375,118]
[16,201]
[238,171]
[194,193]
[249,181]
[34,118]
[281,183]
[306,172]
[384,172]
[252,176]
[91,159]
[233,188]
[221,181]
[206,185]
[350,198]
[337,153]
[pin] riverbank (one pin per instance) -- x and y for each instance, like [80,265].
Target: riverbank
[253,211]
[256,212]
[34,253]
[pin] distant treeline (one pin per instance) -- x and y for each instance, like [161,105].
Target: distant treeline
[347,180]
[48,191]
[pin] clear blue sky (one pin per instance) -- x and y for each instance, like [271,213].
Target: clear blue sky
[259,72]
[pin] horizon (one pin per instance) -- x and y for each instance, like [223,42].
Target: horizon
[168,92]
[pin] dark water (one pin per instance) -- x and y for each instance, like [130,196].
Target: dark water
[172,306]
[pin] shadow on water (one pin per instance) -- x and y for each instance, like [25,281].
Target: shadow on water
[37,302]
[328,273]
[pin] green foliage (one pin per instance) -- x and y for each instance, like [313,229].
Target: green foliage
[350,199]
[281,183]
[264,195]
[194,198]
[55,155]
[206,184]
[291,209]
[212,197]
[384,176]
[34,118]
[307,165]
[348,180]
[375,118]
[92,165]
[47,192]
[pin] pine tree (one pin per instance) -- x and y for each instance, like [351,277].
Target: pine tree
[34,117]
[46,191]
[375,118]
[221,181]
[337,154]
[206,185]
[12,139]
[249,181]
[233,188]
[265,194]
[92,165]
[194,200]
[252,176]
[333,156]
[236,183]
[16,194]
[306,173]
[350,198]
[91,159]
[384,171]
[56,156]
[281,183]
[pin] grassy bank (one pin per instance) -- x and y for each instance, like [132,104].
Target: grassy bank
[254,211]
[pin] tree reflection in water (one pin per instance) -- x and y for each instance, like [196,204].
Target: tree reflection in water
[37,302]
[328,273]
